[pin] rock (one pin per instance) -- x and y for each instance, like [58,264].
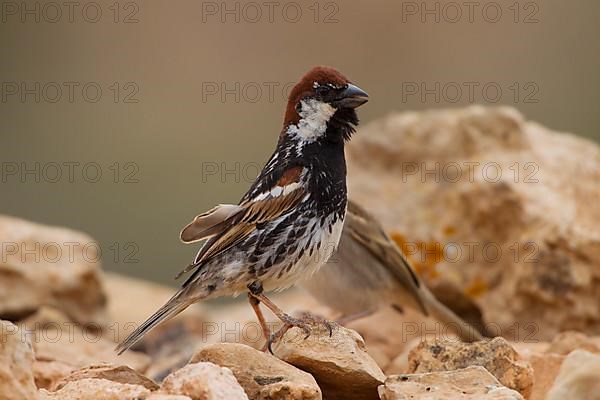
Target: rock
[97,389]
[578,378]
[399,365]
[126,316]
[48,373]
[523,245]
[471,383]
[204,381]
[340,363]
[566,342]
[159,396]
[56,339]
[262,375]
[171,344]
[545,369]
[16,363]
[119,374]
[390,330]
[496,355]
[44,265]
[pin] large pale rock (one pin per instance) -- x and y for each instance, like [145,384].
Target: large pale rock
[57,340]
[496,355]
[524,245]
[96,389]
[472,383]
[204,381]
[578,378]
[43,265]
[262,375]
[340,363]
[16,362]
[120,374]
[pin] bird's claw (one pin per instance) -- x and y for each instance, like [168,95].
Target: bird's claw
[313,319]
[305,322]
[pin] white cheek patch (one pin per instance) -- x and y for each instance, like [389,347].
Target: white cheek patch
[314,116]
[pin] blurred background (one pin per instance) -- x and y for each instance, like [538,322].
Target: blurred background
[126,119]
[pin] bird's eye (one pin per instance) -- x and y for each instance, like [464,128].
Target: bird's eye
[322,90]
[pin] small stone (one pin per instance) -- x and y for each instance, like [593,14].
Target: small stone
[204,381]
[96,389]
[120,374]
[16,363]
[578,377]
[496,355]
[340,362]
[471,383]
[262,375]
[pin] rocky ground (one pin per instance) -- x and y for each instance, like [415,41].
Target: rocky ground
[538,298]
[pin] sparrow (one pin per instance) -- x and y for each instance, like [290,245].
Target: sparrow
[289,222]
[369,272]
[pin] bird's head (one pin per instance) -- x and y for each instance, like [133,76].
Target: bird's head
[322,105]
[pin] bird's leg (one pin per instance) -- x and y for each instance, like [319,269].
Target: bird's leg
[255,303]
[256,291]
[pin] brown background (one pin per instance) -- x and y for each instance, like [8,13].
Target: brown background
[176,133]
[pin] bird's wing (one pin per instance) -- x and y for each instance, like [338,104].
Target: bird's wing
[365,229]
[210,223]
[282,197]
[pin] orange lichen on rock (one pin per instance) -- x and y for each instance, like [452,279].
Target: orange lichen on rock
[476,288]
[423,256]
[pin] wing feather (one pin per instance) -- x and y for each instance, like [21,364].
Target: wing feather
[227,226]
[210,223]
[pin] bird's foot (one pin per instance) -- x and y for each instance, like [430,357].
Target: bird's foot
[306,322]
[314,319]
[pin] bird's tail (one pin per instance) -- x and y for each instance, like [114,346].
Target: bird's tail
[174,306]
[443,314]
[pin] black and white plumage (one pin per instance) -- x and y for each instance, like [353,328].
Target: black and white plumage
[289,222]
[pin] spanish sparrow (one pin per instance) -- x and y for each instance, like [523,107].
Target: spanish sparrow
[289,222]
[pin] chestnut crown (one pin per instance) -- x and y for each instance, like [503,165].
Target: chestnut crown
[325,85]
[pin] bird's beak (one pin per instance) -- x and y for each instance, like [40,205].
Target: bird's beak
[351,97]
